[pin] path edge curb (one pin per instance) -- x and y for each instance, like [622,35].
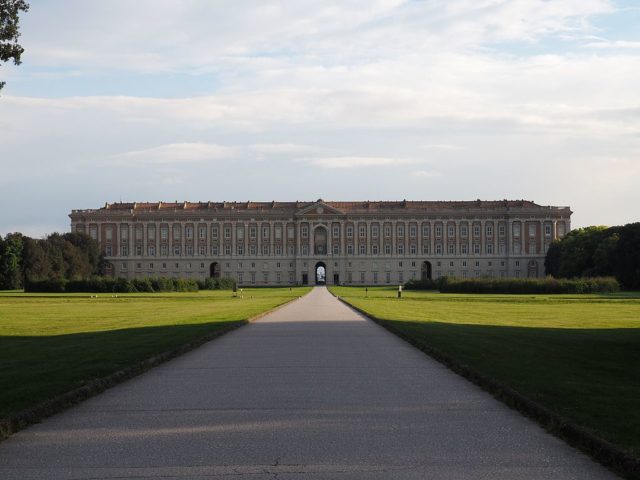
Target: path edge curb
[618,460]
[29,416]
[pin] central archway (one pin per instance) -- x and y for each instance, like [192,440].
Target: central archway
[321,273]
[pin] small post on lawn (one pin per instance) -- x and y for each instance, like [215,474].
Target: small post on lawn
[235,290]
[400,291]
[366,291]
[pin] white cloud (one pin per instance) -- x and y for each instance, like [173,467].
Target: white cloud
[175,153]
[358,162]
[424,174]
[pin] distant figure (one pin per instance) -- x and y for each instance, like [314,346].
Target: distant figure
[366,291]
[399,291]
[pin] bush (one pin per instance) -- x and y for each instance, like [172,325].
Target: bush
[111,285]
[424,284]
[529,285]
[217,284]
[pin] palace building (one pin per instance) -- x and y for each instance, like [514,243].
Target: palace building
[351,243]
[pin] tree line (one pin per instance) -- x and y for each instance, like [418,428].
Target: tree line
[68,256]
[598,252]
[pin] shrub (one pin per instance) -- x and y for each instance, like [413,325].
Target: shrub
[424,284]
[529,285]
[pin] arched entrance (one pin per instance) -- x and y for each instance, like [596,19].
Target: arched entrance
[425,273]
[321,273]
[214,270]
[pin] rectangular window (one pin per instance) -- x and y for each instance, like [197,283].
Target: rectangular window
[278,249]
[547,230]
[291,250]
[240,232]
[375,277]
[202,233]
[214,250]
[214,231]
[176,250]
[305,250]
[93,232]
[463,249]
[363,231]
[253,250]
[202,250]
[438,231]
[439,249]
[375,231]
[349,231]
[361,277]
[413,230]
[400,231]
[164,233]
[240,249]
[164,250]
[374,249]
[387,231]
[305,231]
[532,248]
[291,232]
[139,250]
[532,229]
[152,250]
[108,233]
[253,232]
[387,277]
[464,231]
[451,248]
[189,232]
[265,232]
[476,230]
[227,232]
[489,230]
[190,250]
[451,231]
[363,249]
[278,232]
[425,249]
[265,250]
[108,250]
[139,233]
[413,249]
[124,232]
[400,249]
[501,249]
[516,248]
[516,229]
[490,248]
[176,232]
[476,249]
[501,230]
[350,249]
[387,249]
[227,250]
[124,251]
[425,230]
[336,249]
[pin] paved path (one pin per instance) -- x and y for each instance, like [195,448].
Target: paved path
[312,391]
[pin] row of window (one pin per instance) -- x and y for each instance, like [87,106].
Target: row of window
[252,250]
[304,231]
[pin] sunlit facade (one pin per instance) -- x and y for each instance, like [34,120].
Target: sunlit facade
[351,243]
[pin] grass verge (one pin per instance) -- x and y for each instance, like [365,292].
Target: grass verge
[570,361]
[56,350]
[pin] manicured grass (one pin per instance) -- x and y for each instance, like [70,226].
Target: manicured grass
[53,343]
[578,355]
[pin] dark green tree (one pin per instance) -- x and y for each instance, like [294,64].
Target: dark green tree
[10,49]
[627,256]
[11,262]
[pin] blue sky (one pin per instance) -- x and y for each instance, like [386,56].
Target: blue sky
[385,99]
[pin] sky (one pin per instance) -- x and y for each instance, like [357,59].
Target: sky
[204,100]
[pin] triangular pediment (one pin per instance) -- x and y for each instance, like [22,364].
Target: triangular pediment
[319,208]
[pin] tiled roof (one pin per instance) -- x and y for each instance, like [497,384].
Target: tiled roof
[357,206]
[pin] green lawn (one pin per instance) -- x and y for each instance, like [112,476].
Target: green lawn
[52,343]
[578,355]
